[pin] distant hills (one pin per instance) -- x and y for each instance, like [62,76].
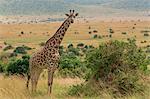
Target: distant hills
[85,7]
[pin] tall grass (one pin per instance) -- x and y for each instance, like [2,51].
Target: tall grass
[13,87]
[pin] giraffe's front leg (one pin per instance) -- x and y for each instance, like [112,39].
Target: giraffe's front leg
[51,71]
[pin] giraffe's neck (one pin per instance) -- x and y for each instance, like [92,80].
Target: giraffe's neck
[59,35]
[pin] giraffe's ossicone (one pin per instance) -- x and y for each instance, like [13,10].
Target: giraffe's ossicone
[48,56]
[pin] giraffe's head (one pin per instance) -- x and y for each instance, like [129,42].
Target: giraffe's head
[71,16]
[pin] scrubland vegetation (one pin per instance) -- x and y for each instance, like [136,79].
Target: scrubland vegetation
[99,60]
[115,69]
[105,54]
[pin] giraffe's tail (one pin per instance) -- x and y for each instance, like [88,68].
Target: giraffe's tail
[28,79]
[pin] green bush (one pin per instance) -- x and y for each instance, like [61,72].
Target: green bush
[147,50]
[124,33]
[22,32]
[7,55]
[80,45]
[20,50]
[100,37]
[110,36]
[1,67]
[18,66]
[5,43]
[145,31]
[111,30]
[26,47]
[82,90]
[95,31]
[90,32]
[116,67]
[71,66]
[73,50]
[42,44]
[146,34]
[95,36]
[91,46]
[86,47]
[61,50]
[8,47]
[70,46]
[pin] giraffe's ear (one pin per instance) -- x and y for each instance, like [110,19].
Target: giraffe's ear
[67,15]
[76,14]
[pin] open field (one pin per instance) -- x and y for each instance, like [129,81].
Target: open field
[35,33]
[41,32]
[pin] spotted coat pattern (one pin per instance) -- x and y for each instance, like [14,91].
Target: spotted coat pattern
[48,56]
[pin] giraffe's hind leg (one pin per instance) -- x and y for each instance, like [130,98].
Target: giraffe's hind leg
[35,73]
[28,79]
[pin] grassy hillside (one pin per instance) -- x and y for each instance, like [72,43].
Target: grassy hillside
[49,7]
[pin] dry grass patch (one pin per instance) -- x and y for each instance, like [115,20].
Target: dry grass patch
[13,87]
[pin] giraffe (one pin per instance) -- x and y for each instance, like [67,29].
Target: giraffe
[48,56]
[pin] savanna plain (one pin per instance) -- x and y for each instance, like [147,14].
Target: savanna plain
[89,32]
